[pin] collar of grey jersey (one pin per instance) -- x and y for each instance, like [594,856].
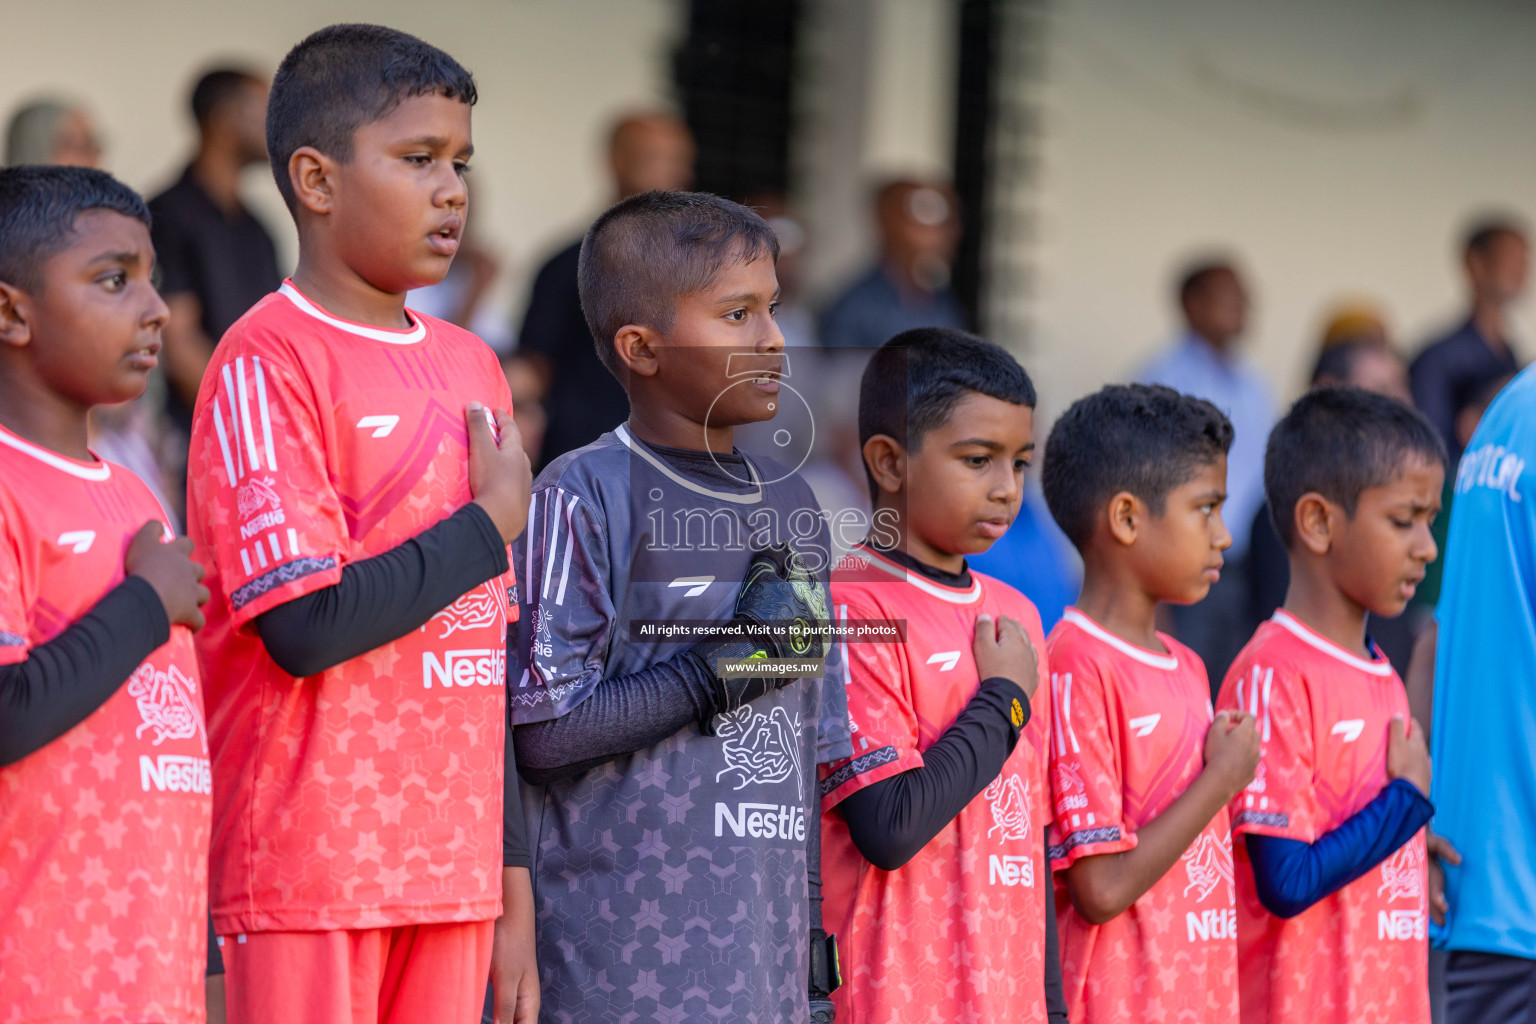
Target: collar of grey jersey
[637,446]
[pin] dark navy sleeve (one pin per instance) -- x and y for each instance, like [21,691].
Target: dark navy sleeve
[1291,875]
[890,821]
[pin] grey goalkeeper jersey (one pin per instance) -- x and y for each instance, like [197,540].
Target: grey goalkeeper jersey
[671,883]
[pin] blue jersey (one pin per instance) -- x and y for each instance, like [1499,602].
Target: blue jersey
[1485,684]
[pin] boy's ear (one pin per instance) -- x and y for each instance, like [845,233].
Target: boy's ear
[1315,522]
[886,460]
[312,176]
[15,331]
[1125,513]
[636,348]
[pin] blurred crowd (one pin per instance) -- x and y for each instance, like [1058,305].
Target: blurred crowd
[216,259]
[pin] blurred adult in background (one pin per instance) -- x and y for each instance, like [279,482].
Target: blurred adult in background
[52,131]
[1453,370]
[646,151]
[1348,357]
[1206,361]
[919,227]
[216,259]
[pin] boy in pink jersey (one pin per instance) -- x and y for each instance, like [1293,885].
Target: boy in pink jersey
[933,859]
[1141,773]
[355,530]
[1333,897]
[104,787]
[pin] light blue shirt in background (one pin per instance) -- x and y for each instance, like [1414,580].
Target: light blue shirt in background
[1484,734]
[1237,388]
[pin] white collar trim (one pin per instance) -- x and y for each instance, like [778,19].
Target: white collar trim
[921,582]
[639,448]
[411,337]
[1165,662]
[102,470]
[1294,625]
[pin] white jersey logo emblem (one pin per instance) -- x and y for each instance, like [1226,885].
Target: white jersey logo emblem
[1144,725]
[1350,729]
[760,748]
[946,660]
[1208,864]
[167,703]
[382,425]
[78,541]
[1008,800]
[696,584]
[1402,874]
[474,610]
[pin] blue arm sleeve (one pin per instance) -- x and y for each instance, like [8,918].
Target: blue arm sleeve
[1291,875]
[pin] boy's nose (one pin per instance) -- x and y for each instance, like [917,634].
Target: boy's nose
[156,314]
[771,340]
[1223,539]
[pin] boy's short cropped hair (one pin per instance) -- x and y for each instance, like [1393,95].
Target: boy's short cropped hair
[1337,442]
[38,207]
[912,383]
[1145,439]
[643,252]
[345,76]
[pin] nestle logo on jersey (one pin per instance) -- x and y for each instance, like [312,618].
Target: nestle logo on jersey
[1400,925]
[175,773]
[1211,924]
[1011,869]
[486,666]
[761,821]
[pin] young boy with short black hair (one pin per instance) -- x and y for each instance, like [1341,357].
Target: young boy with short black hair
[1332,909]
[355,531]
[673,801]
[1142,771]
[934,827]
[104,788]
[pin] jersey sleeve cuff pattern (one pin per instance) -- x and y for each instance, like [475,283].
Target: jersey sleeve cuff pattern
[866,770]
[13,648]
[1088,842]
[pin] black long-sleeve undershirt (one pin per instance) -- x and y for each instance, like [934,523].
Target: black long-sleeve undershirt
[893,819]
[1055,992]
[381,599]
[515,852]
[64,680]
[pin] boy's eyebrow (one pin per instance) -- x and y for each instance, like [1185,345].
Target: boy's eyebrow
[436,142]
[980,442]
[731,300]
[1213,495]
[127,257]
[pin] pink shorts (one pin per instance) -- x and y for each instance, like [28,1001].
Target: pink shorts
[418,974]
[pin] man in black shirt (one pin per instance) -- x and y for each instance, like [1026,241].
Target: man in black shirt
[646,151]
[216,259]
[1454,371]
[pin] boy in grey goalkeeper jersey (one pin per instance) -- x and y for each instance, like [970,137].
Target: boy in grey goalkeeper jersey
[672,805]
